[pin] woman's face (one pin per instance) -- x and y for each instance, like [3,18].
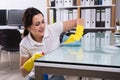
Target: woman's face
[37,28]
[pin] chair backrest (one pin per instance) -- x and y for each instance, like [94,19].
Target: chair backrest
[0,36]
[10,39]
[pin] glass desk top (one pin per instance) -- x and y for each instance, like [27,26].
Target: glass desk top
[77,56]
[96,60]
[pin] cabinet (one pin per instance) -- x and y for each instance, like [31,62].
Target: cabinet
[98,14]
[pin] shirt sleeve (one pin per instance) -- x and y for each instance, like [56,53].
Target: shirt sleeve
[24,52]
[57,28]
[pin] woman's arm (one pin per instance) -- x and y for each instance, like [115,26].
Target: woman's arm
[22,69]
[70,24]
[26,64]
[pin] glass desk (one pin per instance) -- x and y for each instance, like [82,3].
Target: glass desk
[73,60]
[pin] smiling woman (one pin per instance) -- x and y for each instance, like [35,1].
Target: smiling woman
[37,29]
[39,37]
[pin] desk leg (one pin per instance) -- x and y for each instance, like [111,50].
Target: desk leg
[38,73]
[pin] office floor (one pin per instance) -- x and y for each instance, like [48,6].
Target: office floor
[6,73]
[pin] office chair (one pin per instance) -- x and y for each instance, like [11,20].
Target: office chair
[10,41]
[0,43]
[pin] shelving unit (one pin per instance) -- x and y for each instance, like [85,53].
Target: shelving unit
[95,34]
[77,6]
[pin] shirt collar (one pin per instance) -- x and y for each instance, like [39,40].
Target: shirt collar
[33,42]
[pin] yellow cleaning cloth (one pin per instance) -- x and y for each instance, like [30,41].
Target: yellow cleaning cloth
[28,65]
[77,36]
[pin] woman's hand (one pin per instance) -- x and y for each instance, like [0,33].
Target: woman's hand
[80,21]
[71,24]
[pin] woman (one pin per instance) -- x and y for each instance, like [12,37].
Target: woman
[39,37]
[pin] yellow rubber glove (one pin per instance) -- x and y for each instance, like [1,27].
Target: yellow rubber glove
[77,36]
[28,65]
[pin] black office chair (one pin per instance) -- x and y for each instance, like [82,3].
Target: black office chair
[0,43]
[10,41]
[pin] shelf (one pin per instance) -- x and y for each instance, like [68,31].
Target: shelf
[93,29]
[69,7]
[98,29]
[102,28]
[97,6]
[86,6]
[117,34]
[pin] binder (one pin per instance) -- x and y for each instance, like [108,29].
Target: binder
[97,41]
[52,3]
[51,17]
[66,3]
[87,41]
[93,18]
[102,16]
[60,3]
[87,2]
[107,38]
[87,18]
[83,42]
[82,2]
[70,14]
[74,2]
[56,3]
[96,2]
[58,15]
[75,14]
[52,14]
[97,17]
[83,13]
[108,2]
[100,2]
[92,41]
[70,2]
[102,39]
[108,17]
[104,2]
[65,15]
[92,2]
[61,15]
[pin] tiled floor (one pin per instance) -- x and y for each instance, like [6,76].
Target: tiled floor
[6,73]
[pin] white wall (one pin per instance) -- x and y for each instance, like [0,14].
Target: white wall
[118,9]
[23,4]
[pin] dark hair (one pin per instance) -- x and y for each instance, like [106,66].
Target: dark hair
[27,18]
